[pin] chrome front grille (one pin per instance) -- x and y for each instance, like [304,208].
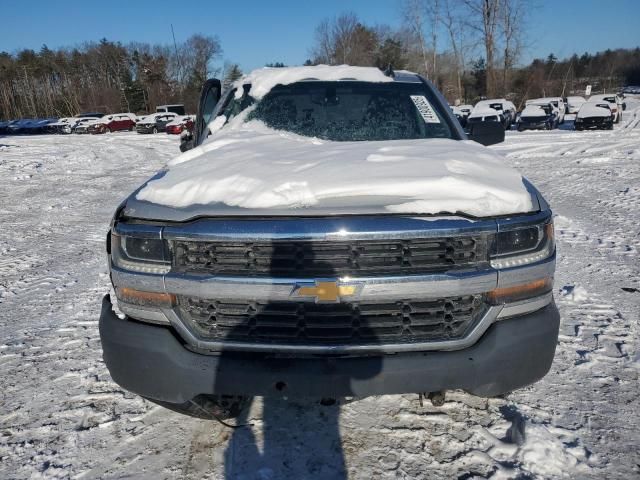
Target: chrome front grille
[307,323]
[299,259]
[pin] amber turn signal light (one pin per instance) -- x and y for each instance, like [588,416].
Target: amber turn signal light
[145,299]
[520,292]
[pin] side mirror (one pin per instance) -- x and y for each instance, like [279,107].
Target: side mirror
[487,133]
[209,98]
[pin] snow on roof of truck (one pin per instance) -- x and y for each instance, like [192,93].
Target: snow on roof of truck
[264,79]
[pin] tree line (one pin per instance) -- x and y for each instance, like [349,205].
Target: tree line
[107,76]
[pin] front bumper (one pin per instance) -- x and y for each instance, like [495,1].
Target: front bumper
[532,126]
[153,362]
[145,129]
[595,124]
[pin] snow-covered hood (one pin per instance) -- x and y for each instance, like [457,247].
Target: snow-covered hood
[533,111]
[263,172]
[588,110]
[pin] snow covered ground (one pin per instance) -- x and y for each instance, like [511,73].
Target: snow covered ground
[62,416]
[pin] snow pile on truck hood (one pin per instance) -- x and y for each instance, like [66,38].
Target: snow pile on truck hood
[264,79]
[260,168]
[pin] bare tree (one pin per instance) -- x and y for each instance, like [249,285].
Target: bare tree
[483,18]
[512,31]
[453,21]
[433,15]
[414,14]
[322,50]
[200,51]
[345,40]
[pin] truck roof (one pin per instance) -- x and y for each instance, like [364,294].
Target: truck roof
[264,79]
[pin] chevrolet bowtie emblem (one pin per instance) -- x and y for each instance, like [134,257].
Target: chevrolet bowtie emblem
[325,291]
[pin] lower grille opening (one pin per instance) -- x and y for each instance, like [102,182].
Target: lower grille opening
[355,323]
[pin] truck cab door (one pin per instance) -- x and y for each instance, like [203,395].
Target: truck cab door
[209,98]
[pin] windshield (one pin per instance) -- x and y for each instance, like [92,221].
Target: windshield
[349,111]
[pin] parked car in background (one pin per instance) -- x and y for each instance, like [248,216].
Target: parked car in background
[60,125]
[180,124]
[462,112]
[616,104]
[594,115]
[154,123]
[538,117]
[28,126]
[82,124]
[504,107]
[39,126]
[11,127]
[461,117]
[574,104]
[4,126]
[557,102]
[178,109]
[16,127]
[466,110]
[115,122]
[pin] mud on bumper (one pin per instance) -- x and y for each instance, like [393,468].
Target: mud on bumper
[153,362]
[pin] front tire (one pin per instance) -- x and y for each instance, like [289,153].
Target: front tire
[155,130]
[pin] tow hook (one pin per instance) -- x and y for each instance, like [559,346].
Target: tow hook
[437,398]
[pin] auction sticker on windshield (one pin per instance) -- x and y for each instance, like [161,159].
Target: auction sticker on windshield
[425,109]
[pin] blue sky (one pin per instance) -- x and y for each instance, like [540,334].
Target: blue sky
[254,32]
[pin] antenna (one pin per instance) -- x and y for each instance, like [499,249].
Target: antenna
[175,46]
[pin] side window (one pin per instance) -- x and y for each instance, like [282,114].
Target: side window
[208,106]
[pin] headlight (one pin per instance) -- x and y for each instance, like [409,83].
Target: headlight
[522,246]
[139,254]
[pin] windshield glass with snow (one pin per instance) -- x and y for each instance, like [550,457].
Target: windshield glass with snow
[351,111]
